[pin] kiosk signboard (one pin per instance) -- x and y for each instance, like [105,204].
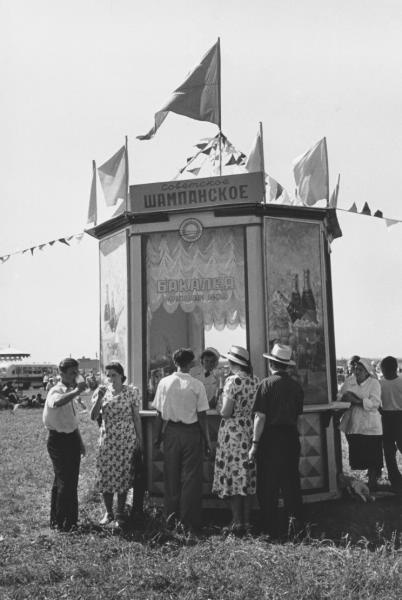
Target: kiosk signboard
[245,188]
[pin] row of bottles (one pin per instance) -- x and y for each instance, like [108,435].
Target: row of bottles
[109,311]
[302,306]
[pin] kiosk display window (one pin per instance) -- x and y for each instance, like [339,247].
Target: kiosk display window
[113,294]
[195,289]
[295,299]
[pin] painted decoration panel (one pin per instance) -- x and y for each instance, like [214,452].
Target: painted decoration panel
[295,300]
[113,299]
[313,461]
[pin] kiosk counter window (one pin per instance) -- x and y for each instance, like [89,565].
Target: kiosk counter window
[195,295]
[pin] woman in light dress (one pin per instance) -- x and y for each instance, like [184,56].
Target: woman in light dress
[120,437]
[361,423]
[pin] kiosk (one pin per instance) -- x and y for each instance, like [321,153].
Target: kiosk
[205,262]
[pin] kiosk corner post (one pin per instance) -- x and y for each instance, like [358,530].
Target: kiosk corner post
[127,190]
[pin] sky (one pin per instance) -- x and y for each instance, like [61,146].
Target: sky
[78,76]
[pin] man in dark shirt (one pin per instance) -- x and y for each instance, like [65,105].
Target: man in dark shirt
[277,405]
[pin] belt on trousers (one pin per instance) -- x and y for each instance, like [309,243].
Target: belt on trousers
[181,424]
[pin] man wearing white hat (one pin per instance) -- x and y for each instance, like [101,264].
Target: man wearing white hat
[277,405]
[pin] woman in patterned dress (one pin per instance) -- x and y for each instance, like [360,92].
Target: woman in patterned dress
[120,435]
[234,476]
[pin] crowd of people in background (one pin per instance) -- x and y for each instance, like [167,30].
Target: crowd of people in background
[257,449]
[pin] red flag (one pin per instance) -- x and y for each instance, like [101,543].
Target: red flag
[199,95]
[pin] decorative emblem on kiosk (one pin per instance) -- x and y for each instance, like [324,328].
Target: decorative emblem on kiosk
[191,230]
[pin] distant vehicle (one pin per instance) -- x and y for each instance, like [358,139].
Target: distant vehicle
[25,375]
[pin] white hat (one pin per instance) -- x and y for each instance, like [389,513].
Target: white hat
[238,355]
[281,354]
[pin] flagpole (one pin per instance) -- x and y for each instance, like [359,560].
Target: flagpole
[220,106]
[326,162]
[96,193]
[263,160]
[127,185]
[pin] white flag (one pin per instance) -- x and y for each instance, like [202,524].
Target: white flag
[92,208]
[114,177]
[255,160]
[311,174]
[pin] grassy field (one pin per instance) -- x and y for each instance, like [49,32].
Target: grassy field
[352,550]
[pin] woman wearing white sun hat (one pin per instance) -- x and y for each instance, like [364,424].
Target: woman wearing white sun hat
[234,477]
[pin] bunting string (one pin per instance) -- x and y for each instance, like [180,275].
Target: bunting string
[63,240]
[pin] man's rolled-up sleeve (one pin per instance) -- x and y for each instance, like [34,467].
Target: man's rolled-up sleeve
[53,395]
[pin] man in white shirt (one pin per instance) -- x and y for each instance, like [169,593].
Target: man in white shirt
[391,397]
[65,445]
[181,403]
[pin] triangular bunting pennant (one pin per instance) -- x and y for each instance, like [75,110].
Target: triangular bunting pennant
[63,241]
[189,158]
[52,242]
[195,171]
[32,250]
[41,246]
[207,150]
[5,258]
[79,236]
[231,161]
[366,209]
[390,222]
[202,145]
[26,250]
[353,208]
[378,213]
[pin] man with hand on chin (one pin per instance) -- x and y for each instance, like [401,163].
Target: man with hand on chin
[65,445]
[277,405]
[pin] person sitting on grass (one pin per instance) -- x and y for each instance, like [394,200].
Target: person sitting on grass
[120,437]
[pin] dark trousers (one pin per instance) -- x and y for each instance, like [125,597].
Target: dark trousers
[64,451]
[278,470]
[182,450]
[392,441]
